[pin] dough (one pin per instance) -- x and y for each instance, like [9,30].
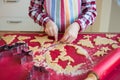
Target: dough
[34,49]
[114,46]
[103,41]
[9,38]
[69,69]
[102,51]
[86,42]
[111,35]
[21,38]
[41,40]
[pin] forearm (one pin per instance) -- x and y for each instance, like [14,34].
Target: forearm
[88,14]
[36,12]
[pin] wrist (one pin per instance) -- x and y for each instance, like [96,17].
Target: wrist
[77,26]
[79,23]
[46,22]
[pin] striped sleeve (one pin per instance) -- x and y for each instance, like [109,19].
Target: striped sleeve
[36,12]
[88,14]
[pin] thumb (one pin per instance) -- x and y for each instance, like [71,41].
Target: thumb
[64,38]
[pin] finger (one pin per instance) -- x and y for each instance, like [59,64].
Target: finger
[56,37]
[70,40]
[64,39]
[50,32]
[47,32]
[55,34]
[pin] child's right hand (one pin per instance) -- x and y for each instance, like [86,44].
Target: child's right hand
[51,29]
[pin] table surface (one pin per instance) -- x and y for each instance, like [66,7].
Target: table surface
[10,67]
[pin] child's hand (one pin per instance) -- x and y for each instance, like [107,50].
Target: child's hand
[51,29]
[71,33]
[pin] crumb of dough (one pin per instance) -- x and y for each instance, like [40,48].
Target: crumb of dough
[111,35]
[9,38]
[41,40]
[103,41]
[21,38]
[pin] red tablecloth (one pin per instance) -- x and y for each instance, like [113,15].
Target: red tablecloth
[11,69]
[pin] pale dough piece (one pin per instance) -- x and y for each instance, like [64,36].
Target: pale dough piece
[63,56]
[86,42]
[103,41]
[111,35]
[114,46]
[60,47]
[46,45]
[72,69]
[9,38]
[21,38]
[102,51]
[80,50]
[99,53]
[41,40]
[52,64]
[105,49]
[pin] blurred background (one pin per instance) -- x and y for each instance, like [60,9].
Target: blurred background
[14,16]
[108,18]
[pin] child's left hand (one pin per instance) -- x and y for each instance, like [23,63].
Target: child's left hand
[71,33]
